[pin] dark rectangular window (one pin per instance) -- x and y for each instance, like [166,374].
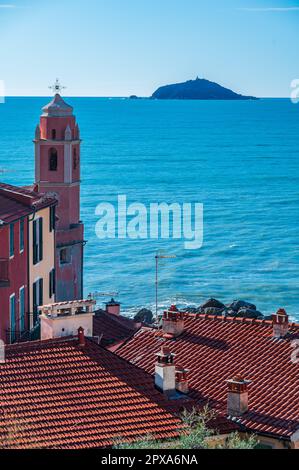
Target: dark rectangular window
[21,234]
[11,240]
[65,256]
[38,294]
[52,218]
[37,240]
[52,283]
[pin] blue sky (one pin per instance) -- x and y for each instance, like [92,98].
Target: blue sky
[121,47]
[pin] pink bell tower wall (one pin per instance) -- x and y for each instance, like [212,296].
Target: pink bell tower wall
[57,171]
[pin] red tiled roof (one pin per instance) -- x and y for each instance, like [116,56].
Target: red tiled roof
[215,349]
[17,202]
[54,394]
[113,328]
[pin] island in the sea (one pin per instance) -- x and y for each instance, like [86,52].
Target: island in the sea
[199,89]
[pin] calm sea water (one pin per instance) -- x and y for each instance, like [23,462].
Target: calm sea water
[240,159]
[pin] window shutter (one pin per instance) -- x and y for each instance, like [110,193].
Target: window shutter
[52,218]
[40,239]
[34,303]
[21,234]
[54,281]
[41,292]
[34,242]
[11,240]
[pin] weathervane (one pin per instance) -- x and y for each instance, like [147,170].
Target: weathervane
[57,88]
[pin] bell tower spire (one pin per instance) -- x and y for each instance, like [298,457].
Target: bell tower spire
[57,171]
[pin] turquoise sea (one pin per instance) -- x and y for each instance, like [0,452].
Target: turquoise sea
[240,159]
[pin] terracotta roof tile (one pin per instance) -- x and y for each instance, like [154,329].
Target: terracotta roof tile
[17,202]
[113,328]
[214,349]
[54,394]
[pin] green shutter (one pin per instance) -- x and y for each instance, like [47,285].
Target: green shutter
[40,239]
[21,234]
[34,245]
[11,240]
[41,292]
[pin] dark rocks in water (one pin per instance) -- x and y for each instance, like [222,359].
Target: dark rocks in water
[133,97]
[213,311]
[237,304]
[145,316]
[268,317]
[199,89]
[191,310]
[249,313]
[213,303]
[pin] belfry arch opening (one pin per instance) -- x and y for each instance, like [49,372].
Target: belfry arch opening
[53,159]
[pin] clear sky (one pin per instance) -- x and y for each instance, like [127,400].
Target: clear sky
[122,47]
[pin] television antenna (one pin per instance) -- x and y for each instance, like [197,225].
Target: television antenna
[158,257]
[97,295]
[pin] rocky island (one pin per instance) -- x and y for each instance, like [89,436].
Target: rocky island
[199,89]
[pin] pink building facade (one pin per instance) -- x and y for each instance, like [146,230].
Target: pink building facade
[57,173]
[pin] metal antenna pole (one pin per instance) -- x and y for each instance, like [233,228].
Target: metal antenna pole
[157,258]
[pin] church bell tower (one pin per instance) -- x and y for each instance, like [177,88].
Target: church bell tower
[57,171]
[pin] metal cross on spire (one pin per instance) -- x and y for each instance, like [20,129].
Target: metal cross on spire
[57,87]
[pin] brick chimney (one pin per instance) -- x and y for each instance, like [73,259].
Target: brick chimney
[113,307]
[280,323]
[81,337]
[237,400]
[181,379]
[165,372]
[173,322]
[64,318]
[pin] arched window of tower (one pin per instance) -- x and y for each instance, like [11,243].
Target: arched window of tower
[53,160]
[53,134]
[75,159]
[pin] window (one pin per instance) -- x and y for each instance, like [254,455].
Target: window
[11,240]
[65,256]
[75,159]
[52,218]
[21,235]
[12,311]
[52,286]
[38,291]
[53,134]
[53,159]
[37,240]
[22,308]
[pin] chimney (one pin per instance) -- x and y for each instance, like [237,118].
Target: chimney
[81,337]
[237,400]
[280,323]
[113,307]
[165,372]
[64,318]
[173,322]
[181,379]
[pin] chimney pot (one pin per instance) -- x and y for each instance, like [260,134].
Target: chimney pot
[182,379]
[81,337]
[280,323]
[237,400]
[165,372]
[173,321]
[113,307]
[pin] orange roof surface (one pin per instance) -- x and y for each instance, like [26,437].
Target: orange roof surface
[17,202]
[214,349]
[56,394]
